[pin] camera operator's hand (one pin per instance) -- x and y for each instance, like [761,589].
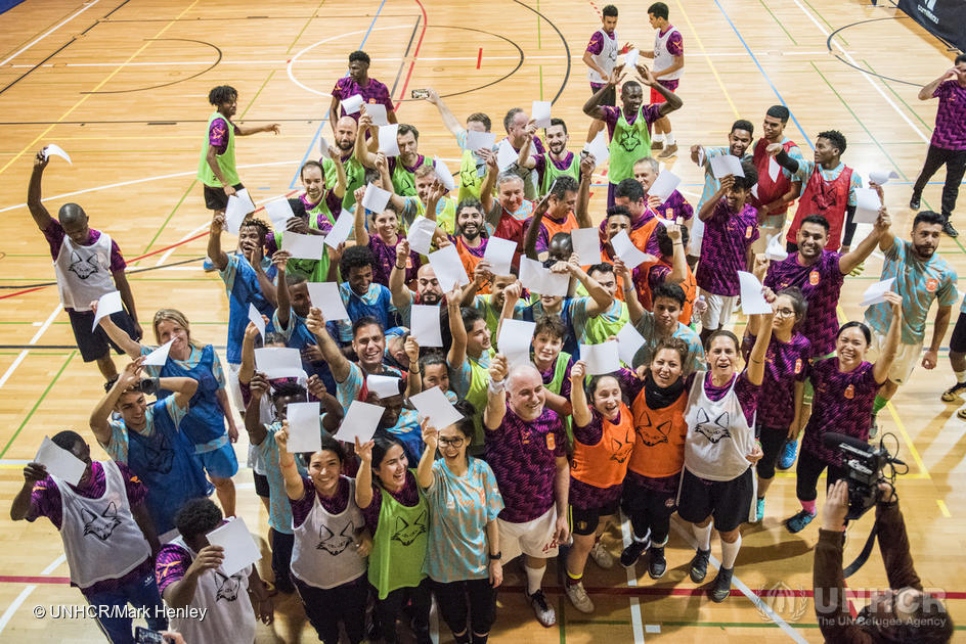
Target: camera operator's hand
[887,492]
[836,507]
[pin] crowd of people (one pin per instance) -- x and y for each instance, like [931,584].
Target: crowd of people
[550,449]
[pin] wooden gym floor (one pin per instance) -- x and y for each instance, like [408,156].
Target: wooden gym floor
[122,86]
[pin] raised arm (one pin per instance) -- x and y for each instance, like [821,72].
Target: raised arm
[365,152]
[414,383]
[401,295]
[424,473]
[880,231]
[100,418]
[928,90]
[533,231]
[338,363]
[449,120]
[756,360]
[286,462]
[364,475]
[592,107]
[253,422]
[359,222]
[635,310]
[582,210]
[486,189]
[707,210]
[34,200]
[671,102]
[882,366]
[578,397]
[496,394]
[524,160]
[216,254]
[284,310]
[601,300]
[457,349]
[118,335]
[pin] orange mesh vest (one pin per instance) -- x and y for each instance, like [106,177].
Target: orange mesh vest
[604,465]
[659,450]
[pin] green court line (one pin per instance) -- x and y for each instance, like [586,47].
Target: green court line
[561,618]
[705,624]
[170,215]
[901,100]
[541,82]
[306,26]
[33,409]
[827,23]
[252,101]
[787,33]
[539,20]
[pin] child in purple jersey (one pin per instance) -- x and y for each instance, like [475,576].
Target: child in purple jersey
[786,368]
[845,388]
[731,227]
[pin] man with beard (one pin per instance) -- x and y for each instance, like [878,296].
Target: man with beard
[469,237]
[527,448]
[358,82]
[629,126]
[430,198]
[557,161]
[428,290]
[345,133]
[739,140]
[921,276]
[646,171]
[402,168]
[777,188]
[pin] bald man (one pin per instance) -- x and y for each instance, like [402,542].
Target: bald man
[88,264]
[344,140]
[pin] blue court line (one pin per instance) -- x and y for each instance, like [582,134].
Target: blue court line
[765,74]
[318,132]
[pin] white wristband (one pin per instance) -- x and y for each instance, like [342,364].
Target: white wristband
[495,387]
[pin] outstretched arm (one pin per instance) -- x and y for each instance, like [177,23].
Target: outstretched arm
[582,211]
[34,202]
[449,120]
[496,396]
[592,107]
[338,363]
[882,366]
[849,261]
[671,100]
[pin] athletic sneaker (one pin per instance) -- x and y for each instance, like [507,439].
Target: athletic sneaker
[657,565]
[798,522]
[657,145]
[578,597]
[699,565]
[787,458]
[949,229]
[952,394]
[669,151]
[543,611]
[601,557]
[633,552]
[760,510]
[721,587]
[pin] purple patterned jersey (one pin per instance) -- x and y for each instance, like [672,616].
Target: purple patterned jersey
[373,92]
[785,364]
[678,205]
[301,508]
[821,284]
[727,237]
[842,404]
[950,132]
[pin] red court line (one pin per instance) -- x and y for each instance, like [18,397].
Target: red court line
[639,591]
[14,579]
[412,63]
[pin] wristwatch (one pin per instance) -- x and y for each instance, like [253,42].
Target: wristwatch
[496,557]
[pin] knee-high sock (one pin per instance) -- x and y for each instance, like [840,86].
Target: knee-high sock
[703,536]
[729,552]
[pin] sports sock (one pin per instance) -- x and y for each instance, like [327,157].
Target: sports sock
[808,506]
[729,552]
[534,578]
[670,138]
[703,536]
[960,376]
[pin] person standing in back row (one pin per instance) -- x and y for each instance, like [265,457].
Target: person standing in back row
[600,58]
[668,58]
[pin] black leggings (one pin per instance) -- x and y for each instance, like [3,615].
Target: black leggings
[282,545]
[650,509]
[326,608]
[772,440]
[809,469]
[387,610]
[475,597]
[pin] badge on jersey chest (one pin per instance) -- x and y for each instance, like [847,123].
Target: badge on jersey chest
[749,231]
[814,278]
[551,442]
[798,366]
[849,392]
[932,284]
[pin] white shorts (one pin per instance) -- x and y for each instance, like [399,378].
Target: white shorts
[534,538]
[907,357]
[720,308]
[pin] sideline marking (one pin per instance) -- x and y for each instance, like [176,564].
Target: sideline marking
[44,35]
[637,623]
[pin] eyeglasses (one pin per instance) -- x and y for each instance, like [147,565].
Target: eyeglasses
[451,442]
[784,313]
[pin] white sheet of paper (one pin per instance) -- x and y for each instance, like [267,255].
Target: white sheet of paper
[303,427]
[555,283]
[722,166]
[665,184]
[159,356]
[388,144]
[515,339]
[540,113]
[107,304]
[255,317]
[424,325]
[599,148]
[775,251]
[352,104]
[279,211]
[876,293]
[449,268]
[506,155]
[383,386]
[303,246]
[586,243]
[278,362]
[701,157]
[867,206]
[630,254]
[444,175]
[376,198]
[629,341]
[432,404]
[530,272]
[324,148]
[881,177]
[360,421]
[420,235]
[326,296]
[499,254]
[377,113]
[340,231]
[57,151]
[480,140]
[752,300]
[631,58]
[239,545]
[239,206]
[60,462]
[773,168]
[601,358]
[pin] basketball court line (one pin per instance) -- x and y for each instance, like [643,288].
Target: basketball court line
[87,5]
[25,593]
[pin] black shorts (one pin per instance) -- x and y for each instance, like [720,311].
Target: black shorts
[957,343]
[216,199]
[261,485]
[729,502]
[610,97]
[95,344]
[585,522]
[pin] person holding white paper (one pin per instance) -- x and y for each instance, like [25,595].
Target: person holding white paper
[358,83]
[397,515]
[846,387]
[506,214]
[430,201]
[428,290]
[385,241]
[464,561]
[646,171]
[517,126]
[671,268]
[189,576]
[563,209]
[87,265]
[604,437]
[469,359]
[344,146]
[668,57]
[361,294]
[402,168]
[470,238]
[777,188]
[592,322]
[217,170]
[147,439]
[557,161]
[490,306]
[922,277]
[332,543]
[472,165]
[107,533]
[718,485]
[731,227]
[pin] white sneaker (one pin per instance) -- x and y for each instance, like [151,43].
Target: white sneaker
[541,609]
[578,597]
[601,557]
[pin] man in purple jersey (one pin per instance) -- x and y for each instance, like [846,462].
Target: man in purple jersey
[646,171]
[948,144]
[600,58]
[527,448]
[359,83]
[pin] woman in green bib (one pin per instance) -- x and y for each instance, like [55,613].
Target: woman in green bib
[397,515]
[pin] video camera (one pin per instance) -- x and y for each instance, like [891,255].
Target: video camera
[863,464]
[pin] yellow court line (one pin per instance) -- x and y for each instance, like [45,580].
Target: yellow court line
[30,146]
[905,436]
[943,508]
[707,57]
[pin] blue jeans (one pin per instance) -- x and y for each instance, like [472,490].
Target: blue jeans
[142,594]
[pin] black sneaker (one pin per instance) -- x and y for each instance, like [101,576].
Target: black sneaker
[949,230]
[915,202]
[699,565]
[721,587]
[657,565]
[952,394]
[633,552]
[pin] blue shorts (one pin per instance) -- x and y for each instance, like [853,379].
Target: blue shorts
[219,463]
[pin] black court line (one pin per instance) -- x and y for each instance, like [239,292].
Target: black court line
[180,80]
[37,66]
[828,44]
[402,63]
[562,39]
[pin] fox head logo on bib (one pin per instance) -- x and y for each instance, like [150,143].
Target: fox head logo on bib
[102,526]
